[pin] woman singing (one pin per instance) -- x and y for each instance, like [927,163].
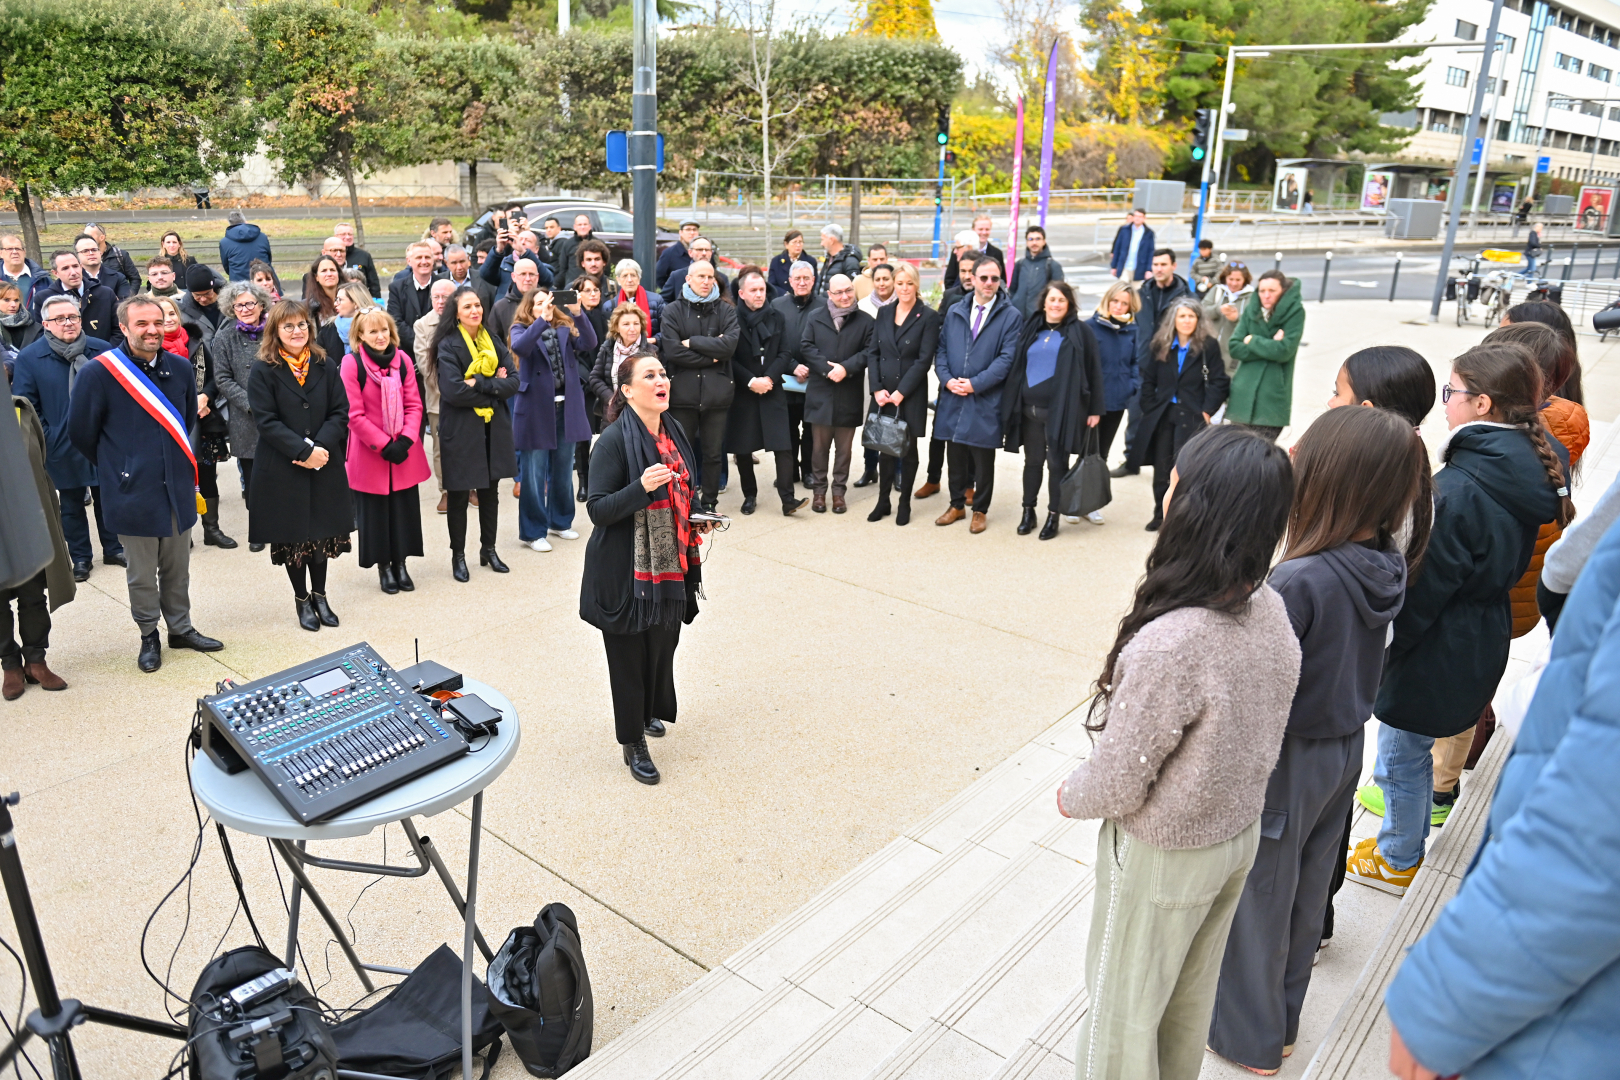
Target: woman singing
[642,565]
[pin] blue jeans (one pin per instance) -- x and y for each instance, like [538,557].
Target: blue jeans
[1405,771]
[546,502]
[1529,267]
[76,526]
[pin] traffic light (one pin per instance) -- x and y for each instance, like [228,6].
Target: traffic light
[939,196]
[944,135]
[950,157]
[1201,133]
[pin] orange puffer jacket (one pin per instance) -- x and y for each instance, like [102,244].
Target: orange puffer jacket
[1569,425]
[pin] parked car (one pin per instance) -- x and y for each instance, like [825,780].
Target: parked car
[613,226]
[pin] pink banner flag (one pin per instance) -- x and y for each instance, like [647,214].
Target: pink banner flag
[1048,129]
[1017,192]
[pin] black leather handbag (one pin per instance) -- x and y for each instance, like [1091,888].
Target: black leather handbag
[885,434]
[1086,488]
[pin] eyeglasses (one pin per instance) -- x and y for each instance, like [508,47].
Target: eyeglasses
[988,278]
[1447,392]
[66,320]
[245,305]
[12,250]
[295,326]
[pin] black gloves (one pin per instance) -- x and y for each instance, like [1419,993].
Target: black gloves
[394,453]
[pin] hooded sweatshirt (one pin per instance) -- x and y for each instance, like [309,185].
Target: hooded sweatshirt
[1341,602]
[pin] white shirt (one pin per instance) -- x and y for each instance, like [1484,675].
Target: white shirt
[1130,254]
[985,307]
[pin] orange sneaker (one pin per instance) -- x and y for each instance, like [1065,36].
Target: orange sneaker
[1366,864]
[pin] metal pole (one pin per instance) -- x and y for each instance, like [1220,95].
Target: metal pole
[1395,277]
[1490,129]
[1596,258]
[1568,259]
[1617,265]
[1465,153]
[643,140]
[1327,264]
[939,203]
[1220,129]
[1277,262]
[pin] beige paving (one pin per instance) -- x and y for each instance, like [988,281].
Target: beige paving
[845,680]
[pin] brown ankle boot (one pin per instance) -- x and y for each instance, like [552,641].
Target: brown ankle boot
[13,687]
[47,679]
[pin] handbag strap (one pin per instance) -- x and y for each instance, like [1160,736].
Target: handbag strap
[1092,440]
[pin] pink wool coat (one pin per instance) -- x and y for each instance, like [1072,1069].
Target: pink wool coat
[368,472]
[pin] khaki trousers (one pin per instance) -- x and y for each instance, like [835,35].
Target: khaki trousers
[1159,921]
[1450,755]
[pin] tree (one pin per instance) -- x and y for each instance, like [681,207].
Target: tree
[466,98]
[327,90]
[116,94]
[897,19]
[1031,28]
[1129,63]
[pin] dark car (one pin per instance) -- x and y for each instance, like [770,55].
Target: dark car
[613,226]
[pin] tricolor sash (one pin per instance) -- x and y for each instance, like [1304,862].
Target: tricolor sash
[146,394]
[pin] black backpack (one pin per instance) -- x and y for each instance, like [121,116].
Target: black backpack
[282,1036]
[416,1030]
[542,994]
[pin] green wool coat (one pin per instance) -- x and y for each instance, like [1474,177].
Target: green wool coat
[1263,385]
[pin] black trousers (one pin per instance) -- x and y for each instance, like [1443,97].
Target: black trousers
[706,430]
[641,672]
[33,623]
[1041,456]
[897,473]
[975,467]
[489,517]
[786,475]
[1107,428]
[582,464]
[798,431]
[1162,456]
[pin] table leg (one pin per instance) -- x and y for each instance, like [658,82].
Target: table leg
[469,928]
[292,920]
[326,913]
[450,886]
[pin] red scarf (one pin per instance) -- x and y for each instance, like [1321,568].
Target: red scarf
[680,494]
[175,341]
[640,299]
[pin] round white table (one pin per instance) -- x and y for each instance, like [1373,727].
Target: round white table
[241,801]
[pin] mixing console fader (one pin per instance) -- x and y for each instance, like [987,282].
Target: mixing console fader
[329,734]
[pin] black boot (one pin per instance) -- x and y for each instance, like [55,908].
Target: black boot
[306,613]
[655,728]
[323,609]
[902,514]
[1050,529]
[640,761]
[1158,519]
[487,557]
[868,478]
[385,577]
[750,504]
[211,531]
[458,566]
[403,579]
[1026,524]
[883,508]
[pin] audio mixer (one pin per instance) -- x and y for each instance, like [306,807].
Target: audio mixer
[329,734]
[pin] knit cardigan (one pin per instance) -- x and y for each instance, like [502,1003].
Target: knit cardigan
[1193,727]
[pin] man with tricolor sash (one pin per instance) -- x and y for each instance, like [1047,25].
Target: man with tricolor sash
[132,413]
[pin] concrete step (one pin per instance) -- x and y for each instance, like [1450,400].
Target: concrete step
[842,981]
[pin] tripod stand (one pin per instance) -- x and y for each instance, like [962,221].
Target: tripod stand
[55,1017]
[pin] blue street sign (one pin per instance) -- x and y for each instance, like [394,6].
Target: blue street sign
[1479,151]
[1543,164]
[618,151]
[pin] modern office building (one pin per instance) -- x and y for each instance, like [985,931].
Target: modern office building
[1552,90]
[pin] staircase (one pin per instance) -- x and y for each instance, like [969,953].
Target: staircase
[957,950]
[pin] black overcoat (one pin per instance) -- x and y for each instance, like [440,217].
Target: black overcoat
[901,357]
[1197,395]
[759,421]
[474,454]
[287,503]
[1076,394]
[839,404]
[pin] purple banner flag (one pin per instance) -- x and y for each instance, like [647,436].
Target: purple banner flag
[1048,129]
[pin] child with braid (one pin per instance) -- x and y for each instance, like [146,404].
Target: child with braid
[1503,476]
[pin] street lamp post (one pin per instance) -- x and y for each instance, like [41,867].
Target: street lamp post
[643,140]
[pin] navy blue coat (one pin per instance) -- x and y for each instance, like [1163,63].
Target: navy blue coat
[1116,351]
[777,274]
[240,245]
[42,378]
[675,257]
[534,406]
[497,270]
[148,484]
[98,308]
[1122,248]
[975,419]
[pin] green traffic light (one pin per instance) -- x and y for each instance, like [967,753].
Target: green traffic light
[1198,153]
[943,138]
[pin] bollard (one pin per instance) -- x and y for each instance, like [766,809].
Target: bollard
[1568,259]
[1327,264]
[1395,277]
[1223,258]
[1598,257]
[1277,264]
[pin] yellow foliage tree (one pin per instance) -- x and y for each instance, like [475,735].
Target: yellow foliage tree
[897,19]
[1126,83]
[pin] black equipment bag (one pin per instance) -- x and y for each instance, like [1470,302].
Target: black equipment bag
[416,1030]
[542,994]
[1086,488]
[282,1037]
[885,434]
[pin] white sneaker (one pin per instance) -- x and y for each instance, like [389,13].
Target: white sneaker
[565,534]
[541,544]
[1071,519]
[1095,517]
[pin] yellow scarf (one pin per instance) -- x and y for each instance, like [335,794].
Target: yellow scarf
[484,362]
[298,365]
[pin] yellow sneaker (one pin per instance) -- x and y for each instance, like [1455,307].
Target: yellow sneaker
[1367,866]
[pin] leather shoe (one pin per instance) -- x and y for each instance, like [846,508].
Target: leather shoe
[193,639]
[655,728]
[14,685]
[750,504]
[1153,526]
[951,516]
[487,557]
[977,524]
[323,609]
[868,478]
[458,566]
[81,571]
[444,502]
[1122,469]
[306,613]
[403,579]
[808,479]
[151,657]
[926,490]
[819,504]
[640,761]
[1050,529]
[47,679]
[385,575]
[791,506]
[255,547]
[1026,524]
[839,505]
[115,558]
